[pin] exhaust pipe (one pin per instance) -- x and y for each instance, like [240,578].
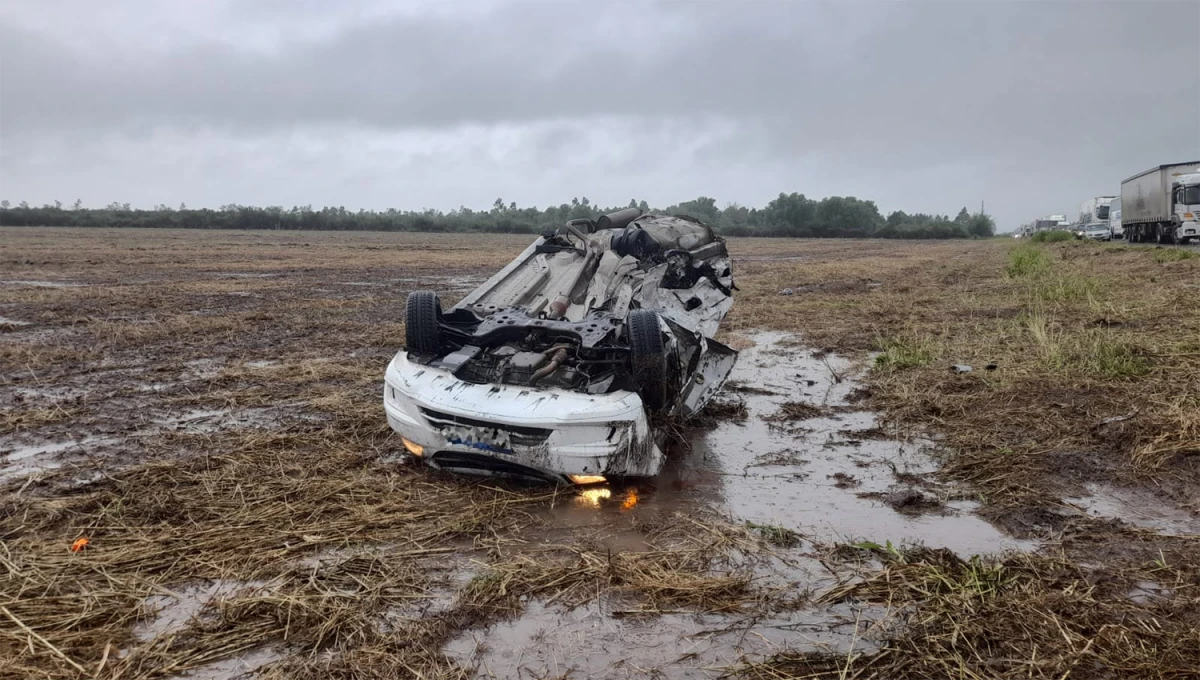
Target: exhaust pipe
[557,354]
[619,219]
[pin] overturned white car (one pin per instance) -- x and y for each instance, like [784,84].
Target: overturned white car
[554,367]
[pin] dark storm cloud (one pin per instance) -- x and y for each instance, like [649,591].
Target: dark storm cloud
[1021,92]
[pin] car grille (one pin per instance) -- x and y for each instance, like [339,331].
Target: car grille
[517,435]
[471,462]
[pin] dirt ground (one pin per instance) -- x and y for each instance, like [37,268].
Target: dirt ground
[204,409]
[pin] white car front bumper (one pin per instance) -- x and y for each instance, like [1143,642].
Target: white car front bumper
[546,433]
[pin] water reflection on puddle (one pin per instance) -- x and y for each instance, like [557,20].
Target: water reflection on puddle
[1138,507]
[825,470]
[806,459]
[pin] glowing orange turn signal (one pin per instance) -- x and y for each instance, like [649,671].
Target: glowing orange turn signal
[413,447]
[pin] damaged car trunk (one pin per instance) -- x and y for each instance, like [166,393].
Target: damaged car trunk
[554,366]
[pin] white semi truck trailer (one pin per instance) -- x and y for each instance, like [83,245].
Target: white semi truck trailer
[1162,204]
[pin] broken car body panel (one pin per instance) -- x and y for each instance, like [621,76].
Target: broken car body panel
[552,367]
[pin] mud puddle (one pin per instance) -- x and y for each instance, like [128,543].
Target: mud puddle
[12,324]
[598,640]
[449,283]
[43,284]
[1138,507]
[808,460]
[202,369]
[806,468]
[207,421]
[24,461]
[237,668]
[172,613]
[30,459]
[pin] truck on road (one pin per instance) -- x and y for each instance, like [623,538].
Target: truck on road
[1115,230]
[1162,204]
[1047,223]
[1094,210]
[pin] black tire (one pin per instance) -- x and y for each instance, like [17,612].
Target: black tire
[421,315]
[648,358]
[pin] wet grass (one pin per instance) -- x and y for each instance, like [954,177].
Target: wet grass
[1027,260]
[1165,255]
[364,567]
[1017,616]
[1094,353]
[905,351]
[777,535]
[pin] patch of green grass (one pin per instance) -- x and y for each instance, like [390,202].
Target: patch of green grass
[1093,353]
[1165,255]
[1051,236]
[1112,359]
[906,352]
[1049,283]
[1064,287]
[1026,261]
[776,535]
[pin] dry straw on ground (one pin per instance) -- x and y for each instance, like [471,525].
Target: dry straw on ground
[340,561]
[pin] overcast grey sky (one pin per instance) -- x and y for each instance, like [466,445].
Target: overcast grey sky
[1031,106]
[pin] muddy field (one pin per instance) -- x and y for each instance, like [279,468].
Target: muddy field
[204,409]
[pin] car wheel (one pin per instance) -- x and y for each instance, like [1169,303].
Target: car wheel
[421,316]
[648,358]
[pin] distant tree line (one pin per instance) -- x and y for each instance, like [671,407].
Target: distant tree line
[792,215]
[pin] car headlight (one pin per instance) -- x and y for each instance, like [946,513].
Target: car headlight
[413,447]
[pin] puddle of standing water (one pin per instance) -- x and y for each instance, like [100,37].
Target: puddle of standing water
[22,461]
[237,668]
[202,369]
[17,461]
[1139,508]
[447,283]
[43,284]
[173,613]
[13,323]
[830,475]
[826,472]
[593,641]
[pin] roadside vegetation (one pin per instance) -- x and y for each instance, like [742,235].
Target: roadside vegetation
[1163,255]
[1055,236]
[789,215]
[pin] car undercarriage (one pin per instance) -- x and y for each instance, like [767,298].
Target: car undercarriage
[608,321]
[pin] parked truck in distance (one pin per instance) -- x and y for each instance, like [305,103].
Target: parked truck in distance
[1162,204]
[1094,210]
[1114,219]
